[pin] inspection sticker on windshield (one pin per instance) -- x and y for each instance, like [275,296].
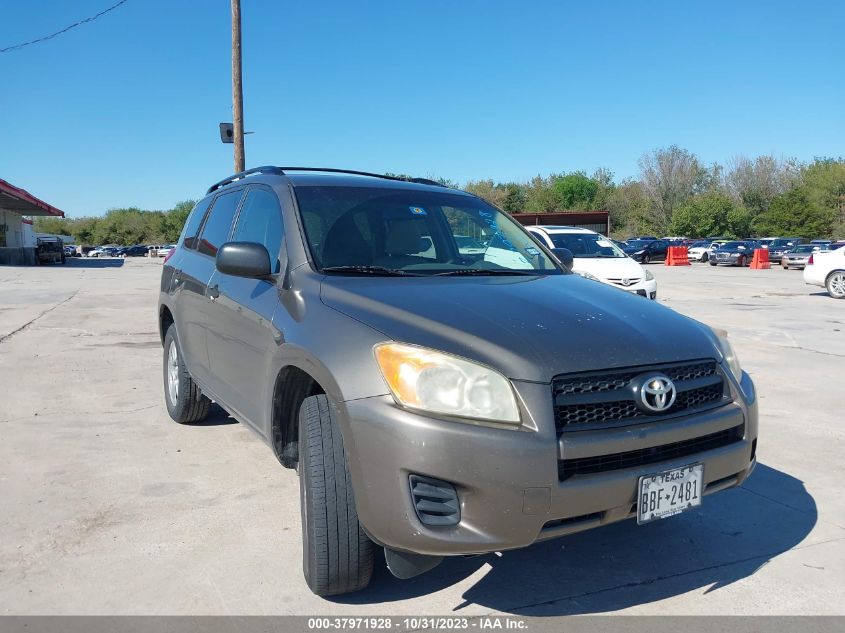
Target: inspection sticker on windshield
[417,211]
[668,493]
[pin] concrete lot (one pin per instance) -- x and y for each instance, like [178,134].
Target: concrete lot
[108,507]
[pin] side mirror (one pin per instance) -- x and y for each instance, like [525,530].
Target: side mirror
[564,256]
[243,259]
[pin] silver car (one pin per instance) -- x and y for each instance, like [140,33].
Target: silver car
[798,256]
[436,401]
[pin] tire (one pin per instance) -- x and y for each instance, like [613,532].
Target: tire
[835,284]
[186,404]
[337,556]
[741,262]
[704,257]
[646,259]
[712,262]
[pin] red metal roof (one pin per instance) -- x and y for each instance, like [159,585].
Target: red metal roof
[21,201]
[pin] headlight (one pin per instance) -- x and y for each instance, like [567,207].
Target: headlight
[728,354]
[586,275]
[427,380]
[648,275]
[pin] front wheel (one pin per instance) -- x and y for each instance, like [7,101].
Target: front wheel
[835,284]
[646,259]
[185,403]
[741,262]
[704,257]
[337,556]
[712,262]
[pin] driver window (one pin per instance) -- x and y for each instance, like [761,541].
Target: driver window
[260,221]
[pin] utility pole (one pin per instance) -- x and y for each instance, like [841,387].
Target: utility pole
[237,88]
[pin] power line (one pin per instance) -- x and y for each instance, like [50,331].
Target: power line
[64,30]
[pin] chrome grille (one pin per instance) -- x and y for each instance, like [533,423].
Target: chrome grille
[606,398]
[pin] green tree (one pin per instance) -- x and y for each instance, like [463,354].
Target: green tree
[712,213]
[574,191]
[794,213]
[824,181]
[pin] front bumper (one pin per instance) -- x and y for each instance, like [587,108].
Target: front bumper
[793,263]
[643,288]
[507,480]
[731,260]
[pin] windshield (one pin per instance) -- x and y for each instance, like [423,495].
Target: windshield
[806,248]
[586,245]
[700,244]
[735,245]
[638,243]
[370,230]
[780,243]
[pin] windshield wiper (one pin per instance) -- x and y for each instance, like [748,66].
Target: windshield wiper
[486,271]
[369,270]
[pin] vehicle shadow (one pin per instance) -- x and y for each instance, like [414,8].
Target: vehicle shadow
[217,416]
[729,538]
[94,262]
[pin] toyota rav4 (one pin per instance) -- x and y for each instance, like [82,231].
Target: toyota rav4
[436,400]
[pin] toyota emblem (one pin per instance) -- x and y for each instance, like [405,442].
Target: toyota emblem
[657,393]
[626,282]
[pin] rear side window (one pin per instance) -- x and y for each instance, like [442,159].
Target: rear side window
[260,221]
[219,222]
[192,227]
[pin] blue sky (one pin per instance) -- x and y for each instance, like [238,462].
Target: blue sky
[124,111]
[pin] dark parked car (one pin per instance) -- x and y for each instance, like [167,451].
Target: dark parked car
[735,253]
[645,251]
[134,251]
[778,247]
[432,402]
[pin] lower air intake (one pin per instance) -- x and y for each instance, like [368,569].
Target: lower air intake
[435,501]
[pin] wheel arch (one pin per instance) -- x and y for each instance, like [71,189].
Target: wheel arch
[165,320]
[292,386]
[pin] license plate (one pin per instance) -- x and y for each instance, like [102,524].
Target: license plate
[669,493]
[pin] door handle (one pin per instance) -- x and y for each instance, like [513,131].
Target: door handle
[213,292]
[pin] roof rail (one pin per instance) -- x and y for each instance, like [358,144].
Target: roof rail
[281,171]
[334,170]
[266,169]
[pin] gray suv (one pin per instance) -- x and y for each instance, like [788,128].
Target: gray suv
[437,400]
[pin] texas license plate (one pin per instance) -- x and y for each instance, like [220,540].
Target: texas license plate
[670,492]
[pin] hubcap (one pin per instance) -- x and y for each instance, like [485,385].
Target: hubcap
[837,284]
[173,373]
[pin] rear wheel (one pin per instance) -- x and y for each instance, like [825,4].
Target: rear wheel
[836,284]
[185,402]
[337,556]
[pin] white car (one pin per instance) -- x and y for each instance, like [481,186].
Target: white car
[827,269]
[597,257]
[700,251]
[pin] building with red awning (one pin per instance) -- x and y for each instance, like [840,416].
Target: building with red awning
[17,239]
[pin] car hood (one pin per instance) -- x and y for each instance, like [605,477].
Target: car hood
[529,328]
[609,267]
[633,249]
